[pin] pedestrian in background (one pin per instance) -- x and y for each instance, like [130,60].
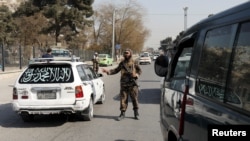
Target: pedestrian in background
[130,71]
[95,61]
[48,54]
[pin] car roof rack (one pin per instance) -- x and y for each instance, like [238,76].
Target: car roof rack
[72,59]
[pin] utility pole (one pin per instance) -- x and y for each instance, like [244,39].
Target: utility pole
[185,18]
[113,34]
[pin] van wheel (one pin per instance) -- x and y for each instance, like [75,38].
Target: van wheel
[89,111]
[27,117]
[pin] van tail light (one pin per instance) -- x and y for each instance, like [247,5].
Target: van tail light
[79,92]
[14,93]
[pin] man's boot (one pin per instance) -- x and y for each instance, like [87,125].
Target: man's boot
[136,114]
[122,116]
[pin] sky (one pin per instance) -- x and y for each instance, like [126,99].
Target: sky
[165,18]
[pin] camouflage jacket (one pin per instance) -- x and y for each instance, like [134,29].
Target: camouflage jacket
[126,76]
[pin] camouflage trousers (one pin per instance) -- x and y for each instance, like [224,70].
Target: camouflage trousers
[95,67]
[125,92]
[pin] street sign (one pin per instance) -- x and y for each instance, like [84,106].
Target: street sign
[117,46]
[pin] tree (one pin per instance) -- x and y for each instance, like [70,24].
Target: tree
[129,29]
[6,25]
[70,16]
[166,43]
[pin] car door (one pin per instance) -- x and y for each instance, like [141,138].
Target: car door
[97,84]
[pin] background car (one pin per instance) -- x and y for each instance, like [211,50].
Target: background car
[145,58]
[105,60]
[60,52]
[57,87]
[155,56]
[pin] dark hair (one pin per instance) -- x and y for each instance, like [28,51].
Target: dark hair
[49,50]
[128,50]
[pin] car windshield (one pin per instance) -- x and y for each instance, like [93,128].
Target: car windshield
[144,55]
[102,55]
[60,53]
[47,73]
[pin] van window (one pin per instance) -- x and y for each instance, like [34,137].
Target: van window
[214,62]
[178,81]
[239,80]
[216,53]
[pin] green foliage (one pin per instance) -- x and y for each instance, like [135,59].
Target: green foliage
[6,25]
[26,9]
[166,43]
[60,14]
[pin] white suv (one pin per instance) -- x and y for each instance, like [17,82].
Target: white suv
[57,87]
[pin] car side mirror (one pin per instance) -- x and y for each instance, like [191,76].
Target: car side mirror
[161,66]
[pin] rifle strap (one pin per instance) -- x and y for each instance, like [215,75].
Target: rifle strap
[125,67]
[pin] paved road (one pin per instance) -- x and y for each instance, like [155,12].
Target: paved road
[104,126]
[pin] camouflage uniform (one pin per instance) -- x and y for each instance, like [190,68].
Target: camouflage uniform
[95,63]
[128,87]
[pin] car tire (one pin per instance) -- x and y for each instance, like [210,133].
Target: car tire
[102,99]
[27,117]
[89,111]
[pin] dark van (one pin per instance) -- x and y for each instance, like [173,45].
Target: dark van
[207,81]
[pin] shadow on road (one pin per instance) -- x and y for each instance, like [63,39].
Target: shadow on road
[150,96]
[146,96]
[105,116]
[8,119]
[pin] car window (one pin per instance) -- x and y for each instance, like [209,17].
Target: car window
[90,73]
[47,73]
[81,73]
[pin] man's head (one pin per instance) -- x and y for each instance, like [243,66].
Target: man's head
[96,53]
[127,54]
[49,50]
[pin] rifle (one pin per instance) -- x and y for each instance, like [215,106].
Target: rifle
[130,75]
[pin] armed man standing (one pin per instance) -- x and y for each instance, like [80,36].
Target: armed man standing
[95,62]
[130,71]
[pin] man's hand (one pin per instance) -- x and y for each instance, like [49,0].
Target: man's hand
[105,70]
[135,75]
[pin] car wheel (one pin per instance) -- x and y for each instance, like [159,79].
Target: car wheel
[89,111]
[27,117]
[102,99]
